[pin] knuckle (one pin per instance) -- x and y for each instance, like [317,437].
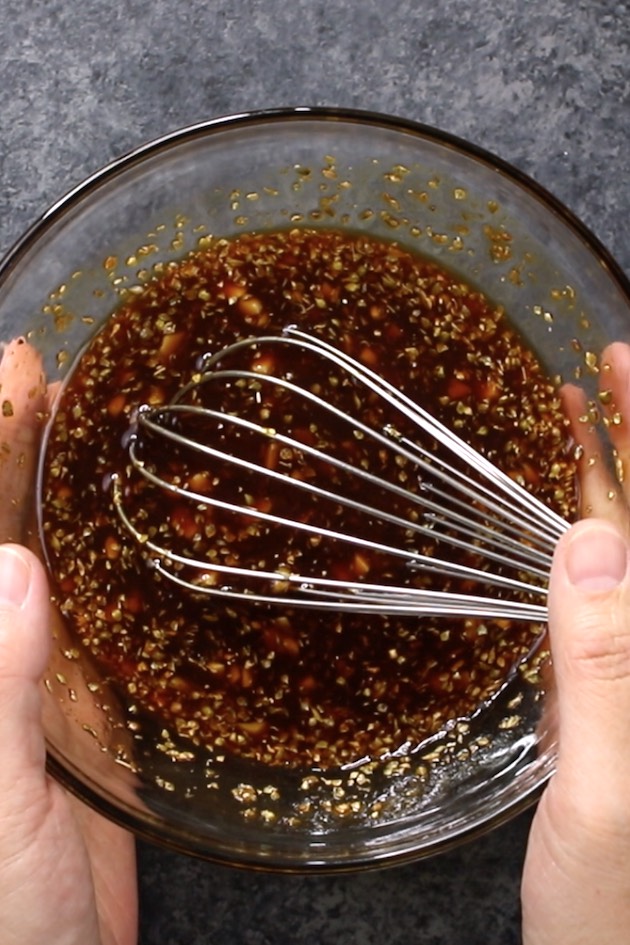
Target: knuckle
[601,650]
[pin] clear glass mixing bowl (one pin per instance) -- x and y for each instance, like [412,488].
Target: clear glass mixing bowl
[318,168]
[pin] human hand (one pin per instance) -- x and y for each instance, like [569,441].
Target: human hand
[67,876]
[576,881]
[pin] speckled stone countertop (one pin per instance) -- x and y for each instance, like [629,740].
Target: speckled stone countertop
[544,84]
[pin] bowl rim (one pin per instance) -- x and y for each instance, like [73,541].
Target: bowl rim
[312,113]
[90,793]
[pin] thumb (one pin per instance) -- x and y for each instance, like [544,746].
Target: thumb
[24,649]
[589,626]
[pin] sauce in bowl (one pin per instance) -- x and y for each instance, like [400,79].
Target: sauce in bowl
[287,687]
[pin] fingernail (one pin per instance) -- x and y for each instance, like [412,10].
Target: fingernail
[15,577]
[597,558]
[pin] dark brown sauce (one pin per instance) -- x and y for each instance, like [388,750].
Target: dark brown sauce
[288,687]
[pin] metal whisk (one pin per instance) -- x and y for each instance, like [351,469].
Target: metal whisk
[265,484]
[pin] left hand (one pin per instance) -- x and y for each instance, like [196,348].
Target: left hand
[67,876]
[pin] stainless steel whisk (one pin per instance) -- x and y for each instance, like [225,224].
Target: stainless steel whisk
[461,505]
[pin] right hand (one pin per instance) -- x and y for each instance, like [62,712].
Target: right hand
[576,880]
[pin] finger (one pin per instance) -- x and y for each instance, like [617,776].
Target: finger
[113,865]
[589,626]
[600,494]
[24,650]
[23,407]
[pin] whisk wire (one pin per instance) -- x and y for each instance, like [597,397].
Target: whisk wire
[504,545]
[415,559]
[516,502]
[354,596]
[491,516]
[532,507]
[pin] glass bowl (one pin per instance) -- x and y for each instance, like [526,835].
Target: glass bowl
[354,171]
